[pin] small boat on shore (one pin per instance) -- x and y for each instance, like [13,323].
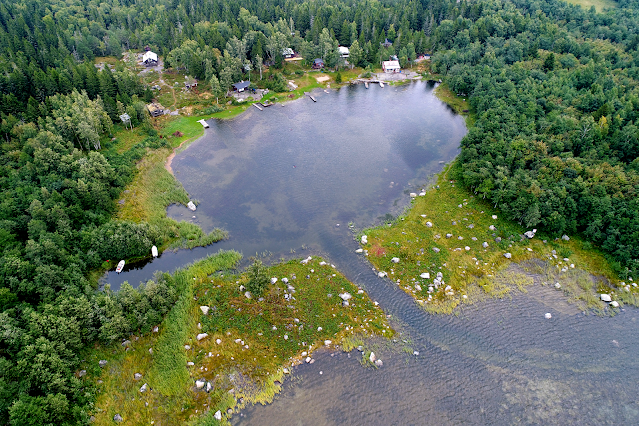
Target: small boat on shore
[120,267]
[366,84]
[154,251]
[381,84]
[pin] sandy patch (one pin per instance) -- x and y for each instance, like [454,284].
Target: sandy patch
[322,78]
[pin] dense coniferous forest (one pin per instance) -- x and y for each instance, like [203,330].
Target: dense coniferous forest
[554,143]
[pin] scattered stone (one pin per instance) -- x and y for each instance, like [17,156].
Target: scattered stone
[273,280]
[429,224]
[372,357]
[209,386]
[102,363]
[156,329]
[557,286]
[191,206]
[449,235]
[605,297]
[548,315]
[416,353]
[82,373]
[202,336]
[218,341]
[381,274]
[508,255]
[137,376]
[395,260]
[218,415]
[494,216]
[359,250]
[327,342]
[466,248]
[200,384]
[308,359]
[484,244]
[413,194]
[436,250]
[565,237]
[364,239]
[460,238]
[491,227]
[530,234]
[322,263]
[614,304]
[126,343]
[117,418]
[144,388]
[151,351]
[498,240]
[305,261]
[285,280]
[187,347]
[345,296]
[248,295]
[205,309]
[190,364]
[422,194]
[379,363]
[425,275]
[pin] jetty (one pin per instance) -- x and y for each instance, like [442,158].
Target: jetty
[204,123]
[312,98]
[258,107]
[366,84]
[381,84]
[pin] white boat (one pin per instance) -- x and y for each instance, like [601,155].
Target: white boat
[381,84]
[120,267]
[366,84]
[154,251]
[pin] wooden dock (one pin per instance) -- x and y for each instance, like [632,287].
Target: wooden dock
[258,107]
[312,98]
[204,123]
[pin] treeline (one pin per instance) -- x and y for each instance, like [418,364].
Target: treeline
[556,140]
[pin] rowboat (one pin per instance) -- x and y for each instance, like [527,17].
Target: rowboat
[154,251]
[120,267]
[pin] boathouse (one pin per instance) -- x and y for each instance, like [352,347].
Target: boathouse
[391,66]
[241,86]
[288,53]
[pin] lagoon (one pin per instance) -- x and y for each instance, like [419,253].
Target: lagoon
[282,179]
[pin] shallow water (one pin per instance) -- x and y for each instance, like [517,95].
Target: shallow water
[282,179]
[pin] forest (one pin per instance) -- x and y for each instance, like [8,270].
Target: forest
[554,141]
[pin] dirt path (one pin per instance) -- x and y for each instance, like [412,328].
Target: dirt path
[169,159]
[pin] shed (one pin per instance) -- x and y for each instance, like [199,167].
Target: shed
[155,109]
[150,58]
[241,86]
[344,51]
[318,63]
[391,66]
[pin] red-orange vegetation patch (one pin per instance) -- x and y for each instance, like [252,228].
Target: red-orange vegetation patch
[377,250]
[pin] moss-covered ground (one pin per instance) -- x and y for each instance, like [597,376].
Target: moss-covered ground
[251,344]
[445,231]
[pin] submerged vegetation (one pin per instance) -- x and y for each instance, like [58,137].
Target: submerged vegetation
[220,348]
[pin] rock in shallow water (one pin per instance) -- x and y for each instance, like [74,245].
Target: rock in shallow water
[605,297]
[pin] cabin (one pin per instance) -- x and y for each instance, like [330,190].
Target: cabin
[391,66]
[190,84]
[150,59]
[241,86]
[155,109]
[288,53]
[343,51]
[318,64]
[386,43]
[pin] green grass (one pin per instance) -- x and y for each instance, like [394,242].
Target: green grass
[242,373]
[478,272]
[600,5]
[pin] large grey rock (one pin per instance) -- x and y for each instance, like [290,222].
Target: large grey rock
[436,250]
[137,376]
[425,275]
[484,244]
[102,363]
[372,357]
[429,224]
[117,418]
[381,274]
[605,297]
[144,388]
[199,384]
[379,363]
[529,234]
[218,415]
[205,309]
[191,206]
[82,373]
[202,336]
[345,296]
[508,255]
[395,260]
[498,239]
[614,304]
[364,239]
[565,237]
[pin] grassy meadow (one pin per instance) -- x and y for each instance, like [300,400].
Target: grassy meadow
[252,343]
[444,232]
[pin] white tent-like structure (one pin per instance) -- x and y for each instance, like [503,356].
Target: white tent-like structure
[150,58]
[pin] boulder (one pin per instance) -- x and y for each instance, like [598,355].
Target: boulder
[614,304]
[199,384]
[494,216]
[191,206]
[209,386]
[137,376]
[381,274]
[187,347]
[82,373]
[248,295]
[144,388]
[308,359]
[202,336]
[372,357]
[322,263]
[218,341]
[156,329]
[359,250]
[285,280]
[413,194]
[205,309]
[395,260]
[379,363]
[117,418]
[218,415]
[425,275]
[529,234]
[345,296]
[508,255]
[429,224]
[605,297]
[364,239]
[273,280]
[436,250]
[565,237]
[498,240]
[305,261]
[423,193]
[449,235]
[484,244]
[491,227]
[548,315]
[102,363]
[327,342]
